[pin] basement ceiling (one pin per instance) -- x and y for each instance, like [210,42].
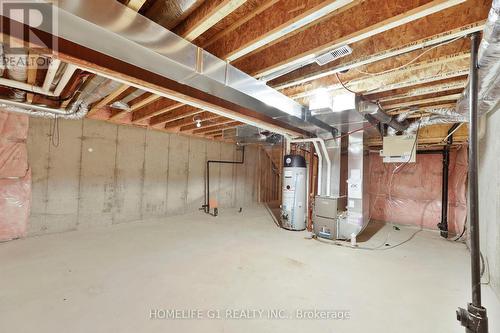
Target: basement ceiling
[406,54]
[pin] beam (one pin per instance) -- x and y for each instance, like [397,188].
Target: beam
[155,108]
[423,101]
[258,7]
[135,4]
[417,91]
[178,113]
[364,54]
[363,21]
[108,99]
[206,16]
[216,127]
[423,109]
[226,127]
[445,67]
[190,120]
[111,66]
[430,135]
[32,74]
[273,25]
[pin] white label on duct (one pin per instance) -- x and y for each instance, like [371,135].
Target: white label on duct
[351,203]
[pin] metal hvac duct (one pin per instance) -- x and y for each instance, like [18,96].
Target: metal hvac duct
[489,67]
[114,30]
[372,110]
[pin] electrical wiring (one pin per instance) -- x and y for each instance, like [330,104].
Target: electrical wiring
[344,86]
[410,62]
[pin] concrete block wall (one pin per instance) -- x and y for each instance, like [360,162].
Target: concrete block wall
[102,174]
[489,197]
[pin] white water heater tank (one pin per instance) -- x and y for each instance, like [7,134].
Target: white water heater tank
[294,205]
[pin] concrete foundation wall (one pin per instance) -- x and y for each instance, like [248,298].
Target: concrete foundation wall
[102,174]
[489,197]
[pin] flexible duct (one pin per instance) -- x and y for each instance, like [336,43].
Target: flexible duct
[94,91]
[489,67]
[433,120]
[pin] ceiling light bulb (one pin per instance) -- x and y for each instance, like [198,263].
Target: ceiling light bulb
[198,123]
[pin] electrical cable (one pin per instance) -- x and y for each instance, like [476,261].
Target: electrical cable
[343,85]
[412,61]
[54,132]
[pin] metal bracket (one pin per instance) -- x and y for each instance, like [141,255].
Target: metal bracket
[474,319]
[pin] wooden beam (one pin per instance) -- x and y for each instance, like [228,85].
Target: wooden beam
[422,101]
[103,64]
[32,74]
[258,7]
[136,4]
[225,127]
[431,135]
[108,99]
[190,120]
[417,91]
[216,127]
[424,109]
[417,73]
[155,108]
[273,25]
[136,104]
[364,53]
[206,16]
[364,20]
[178,113]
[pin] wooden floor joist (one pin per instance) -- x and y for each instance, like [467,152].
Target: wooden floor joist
[190,120]
[178,113]
[109,99]
[208,129]
[437,28]
[417,91]
[155,108]
[422,101]
[423,72]
[365,20]
[250,9]
[206,122]
[205,16]
[272,25]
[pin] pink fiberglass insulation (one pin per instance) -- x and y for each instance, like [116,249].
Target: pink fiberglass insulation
[15,203]
[413,194]
[15,177]
[13,151]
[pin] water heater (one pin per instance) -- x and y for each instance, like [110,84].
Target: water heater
[294,205]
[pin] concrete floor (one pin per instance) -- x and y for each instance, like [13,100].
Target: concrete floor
[109,279]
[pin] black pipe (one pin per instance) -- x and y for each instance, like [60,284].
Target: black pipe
[474,319]
[443,225]
[206,206]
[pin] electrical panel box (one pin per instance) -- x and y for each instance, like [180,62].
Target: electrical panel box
[399,149]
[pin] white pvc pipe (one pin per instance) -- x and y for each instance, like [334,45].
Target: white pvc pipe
[320,168]
[323,150]
[70,70]
[328,169]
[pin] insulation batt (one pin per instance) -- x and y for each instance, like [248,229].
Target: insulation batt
[412,196]
[13,152]
[15,177]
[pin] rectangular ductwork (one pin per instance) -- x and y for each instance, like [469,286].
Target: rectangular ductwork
[112,29]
